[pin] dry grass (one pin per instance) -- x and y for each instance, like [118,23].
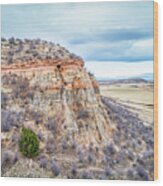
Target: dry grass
[138,97]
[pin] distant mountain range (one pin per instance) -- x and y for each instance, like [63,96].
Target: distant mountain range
[149,77]
[124,81]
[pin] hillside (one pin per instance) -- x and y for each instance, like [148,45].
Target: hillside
[52,94]
[17,50]
[124,81]
[76,132]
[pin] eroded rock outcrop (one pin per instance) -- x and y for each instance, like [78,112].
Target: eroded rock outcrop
[81,135]
[47,89]
[63,87]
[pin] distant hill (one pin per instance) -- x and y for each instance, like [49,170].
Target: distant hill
[124,81]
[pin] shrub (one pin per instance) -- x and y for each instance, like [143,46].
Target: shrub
[14,137]
[108,171]
[37,41]
[30,94]
[97,149]
[55,168]
[91,157]
[81,157]
[83,114]
[10,119]
[102,177]
[130,155]
[20,47]
[43,162]
[11,40]
[7,158]
[32,46]
[40,135]
[29,144]
[35,54]
[5,79]
[109,149]
[37,118]
[64,145]
[5,121]
[71,55]
[51,124]
[15,158]
[142,172]
[50,145]
[9,61]
[74,144]
[73,169]
[21,88]
[130,173]
[4,99]
[86,175]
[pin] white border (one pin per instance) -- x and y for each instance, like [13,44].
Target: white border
[53,182]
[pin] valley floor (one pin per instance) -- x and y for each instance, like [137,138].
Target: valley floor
[137,98]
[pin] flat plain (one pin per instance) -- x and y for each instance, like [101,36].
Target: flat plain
[137,97]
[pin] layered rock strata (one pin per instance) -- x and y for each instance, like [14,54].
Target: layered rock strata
[52,94]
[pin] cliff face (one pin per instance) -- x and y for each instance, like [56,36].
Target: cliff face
[81,135]
[64,89]
[55,96]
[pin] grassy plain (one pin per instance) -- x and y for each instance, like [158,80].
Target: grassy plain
[137,97]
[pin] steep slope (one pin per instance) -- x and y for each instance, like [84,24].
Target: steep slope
[47,89]
[81,134]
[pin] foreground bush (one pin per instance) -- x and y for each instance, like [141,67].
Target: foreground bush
[29,144]
[10,119]
[55,168]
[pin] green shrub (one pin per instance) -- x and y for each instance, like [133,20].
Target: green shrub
[29,144]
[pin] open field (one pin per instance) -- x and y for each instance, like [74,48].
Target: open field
[137,97]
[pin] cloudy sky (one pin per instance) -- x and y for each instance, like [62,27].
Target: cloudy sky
[114,38]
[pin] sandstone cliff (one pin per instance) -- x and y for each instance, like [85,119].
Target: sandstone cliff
[47,89]
[81,135]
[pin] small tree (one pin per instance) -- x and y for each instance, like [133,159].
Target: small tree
[29,144]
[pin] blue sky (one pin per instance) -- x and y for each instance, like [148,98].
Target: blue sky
[107,35]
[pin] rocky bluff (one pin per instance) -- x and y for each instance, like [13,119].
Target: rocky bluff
[47,88]
[77,133]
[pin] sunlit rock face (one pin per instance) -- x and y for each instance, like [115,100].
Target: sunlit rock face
[46,88]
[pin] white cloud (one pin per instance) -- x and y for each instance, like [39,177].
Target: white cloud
[119,69]
[105,31]
[127,50]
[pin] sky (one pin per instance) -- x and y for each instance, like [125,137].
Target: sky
[115,39]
